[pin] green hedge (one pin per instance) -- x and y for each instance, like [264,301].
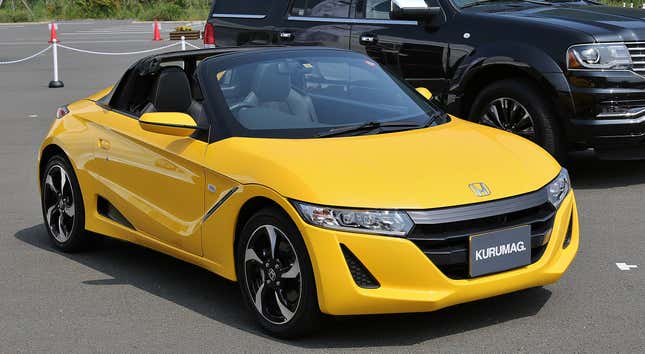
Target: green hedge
[102,9]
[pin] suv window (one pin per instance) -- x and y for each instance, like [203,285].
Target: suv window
[377,9]
[246,7]
[321,8]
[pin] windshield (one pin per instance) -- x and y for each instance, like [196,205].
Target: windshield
[305,93]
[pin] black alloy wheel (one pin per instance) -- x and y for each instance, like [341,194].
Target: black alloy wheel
[275,275]
[518,106]
[62,205]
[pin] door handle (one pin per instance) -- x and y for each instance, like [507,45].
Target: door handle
[104,144]
[286,36]
[368,38]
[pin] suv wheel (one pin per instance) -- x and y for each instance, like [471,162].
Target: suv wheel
[275,275]
[518,107]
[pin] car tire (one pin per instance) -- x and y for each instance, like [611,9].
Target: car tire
[279,286]
[62,205]
[516,96]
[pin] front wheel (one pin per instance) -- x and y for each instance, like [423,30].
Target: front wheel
[516,106]
[62,205]
[275,275]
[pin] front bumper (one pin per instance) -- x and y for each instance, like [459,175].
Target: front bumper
[410,282]
[609,112]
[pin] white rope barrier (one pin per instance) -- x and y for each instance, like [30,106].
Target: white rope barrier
[113,53]
[27,58]
[192,45]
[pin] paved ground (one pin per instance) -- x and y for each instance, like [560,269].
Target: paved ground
[123,298]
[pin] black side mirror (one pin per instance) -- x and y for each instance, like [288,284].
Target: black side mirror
[413,10]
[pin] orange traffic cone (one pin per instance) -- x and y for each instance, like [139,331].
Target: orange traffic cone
[156,32]
[53,37]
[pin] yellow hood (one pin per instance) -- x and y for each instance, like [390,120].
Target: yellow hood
[416,169]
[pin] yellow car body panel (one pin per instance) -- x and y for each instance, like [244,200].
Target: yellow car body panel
[166,187]
[421,169]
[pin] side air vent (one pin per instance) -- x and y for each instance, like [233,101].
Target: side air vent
[105,208]
[362,276]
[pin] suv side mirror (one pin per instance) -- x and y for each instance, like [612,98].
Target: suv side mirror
[414,10]
[169,123]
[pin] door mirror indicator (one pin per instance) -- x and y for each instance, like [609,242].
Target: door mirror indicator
[168,123]
[412,10]
[425,92]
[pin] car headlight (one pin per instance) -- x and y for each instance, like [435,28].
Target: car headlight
[599,56]
[382,222]
[559,188]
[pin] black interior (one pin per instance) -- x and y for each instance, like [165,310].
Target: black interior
[161,88]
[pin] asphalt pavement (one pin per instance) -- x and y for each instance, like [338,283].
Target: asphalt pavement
[124,298]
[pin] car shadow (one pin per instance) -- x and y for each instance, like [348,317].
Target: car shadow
[216,298]
[589,172]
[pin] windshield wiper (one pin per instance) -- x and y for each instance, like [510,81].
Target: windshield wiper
[369,126]
[484,2]
[433,118]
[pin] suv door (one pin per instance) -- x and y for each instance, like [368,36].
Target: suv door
[412,50]
[317,22]
[247,22]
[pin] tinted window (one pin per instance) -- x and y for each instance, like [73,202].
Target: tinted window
[378,9]
[321,8]
[302,94]
[242,7]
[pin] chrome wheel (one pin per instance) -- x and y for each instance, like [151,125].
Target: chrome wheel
[508,114]
[58,201]
[273,278]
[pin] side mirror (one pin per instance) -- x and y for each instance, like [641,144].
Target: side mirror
[425,92]
[414,10]
[169,123]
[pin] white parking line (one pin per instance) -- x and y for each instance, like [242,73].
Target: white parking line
[625,266]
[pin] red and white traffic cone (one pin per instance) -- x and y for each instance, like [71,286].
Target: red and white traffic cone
[53,36]
[156,33]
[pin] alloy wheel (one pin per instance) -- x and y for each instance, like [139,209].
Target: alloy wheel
[273,278]
[508,114]
[58,199]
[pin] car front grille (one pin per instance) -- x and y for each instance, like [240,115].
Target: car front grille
[444,237]
[637,52]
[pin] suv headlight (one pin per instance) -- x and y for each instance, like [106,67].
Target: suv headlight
[559,188]
[599,56]
[381,222]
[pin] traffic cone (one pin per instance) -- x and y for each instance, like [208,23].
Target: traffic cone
[156,32]
[53,37]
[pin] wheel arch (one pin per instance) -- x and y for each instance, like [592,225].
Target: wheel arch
[480,78]
[47,153]
[248,209]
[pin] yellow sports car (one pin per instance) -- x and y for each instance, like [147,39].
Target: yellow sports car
[313,177]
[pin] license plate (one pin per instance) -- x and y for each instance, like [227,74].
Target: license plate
[500,250]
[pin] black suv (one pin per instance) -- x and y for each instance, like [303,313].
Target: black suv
[566,74]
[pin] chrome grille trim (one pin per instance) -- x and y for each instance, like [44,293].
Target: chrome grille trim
[479,210]
[637,51]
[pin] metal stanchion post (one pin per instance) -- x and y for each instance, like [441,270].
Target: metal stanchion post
[183,43]
[56,82]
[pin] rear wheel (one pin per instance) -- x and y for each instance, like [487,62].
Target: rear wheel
[275,275]
[62,205]
[516,106]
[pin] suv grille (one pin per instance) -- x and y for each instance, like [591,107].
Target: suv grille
[447,244]
[637,52]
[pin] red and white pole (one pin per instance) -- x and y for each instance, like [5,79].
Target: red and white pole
[53,39]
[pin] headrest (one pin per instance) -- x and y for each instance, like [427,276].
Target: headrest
[272,82]
[171,92]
